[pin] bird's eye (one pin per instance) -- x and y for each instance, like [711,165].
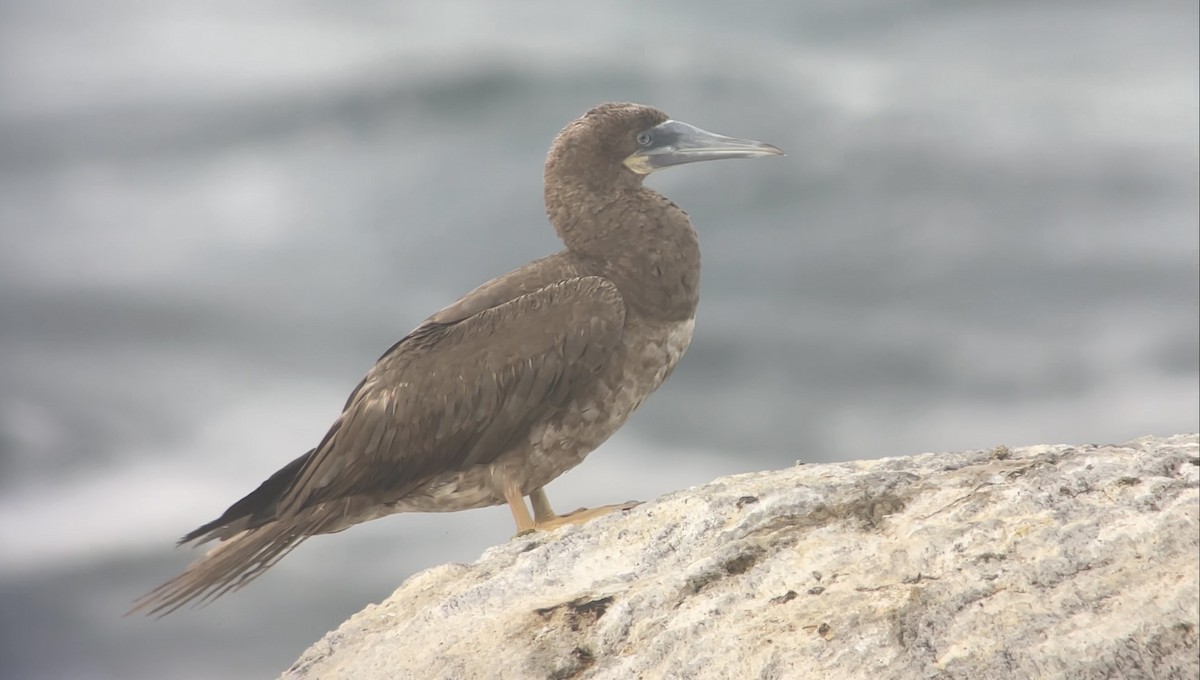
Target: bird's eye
[644,138]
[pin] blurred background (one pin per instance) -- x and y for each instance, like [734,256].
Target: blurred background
[215,215]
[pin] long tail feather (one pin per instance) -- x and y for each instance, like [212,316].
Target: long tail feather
[229,566]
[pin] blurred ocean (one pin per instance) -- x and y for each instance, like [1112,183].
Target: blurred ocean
[215,215]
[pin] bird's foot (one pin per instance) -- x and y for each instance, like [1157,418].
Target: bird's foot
[582,515]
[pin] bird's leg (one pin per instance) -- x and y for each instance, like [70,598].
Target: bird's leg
[542,512]
[546,519]
[516,503]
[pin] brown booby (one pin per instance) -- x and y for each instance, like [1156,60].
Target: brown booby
[493,397]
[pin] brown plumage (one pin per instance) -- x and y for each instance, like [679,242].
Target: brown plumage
[493,397]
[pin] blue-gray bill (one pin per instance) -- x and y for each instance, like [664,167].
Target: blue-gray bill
[675,143]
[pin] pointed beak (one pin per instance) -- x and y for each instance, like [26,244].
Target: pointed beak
[676,143]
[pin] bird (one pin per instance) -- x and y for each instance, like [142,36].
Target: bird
[493,397]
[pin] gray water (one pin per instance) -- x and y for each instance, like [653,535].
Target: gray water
[214,216]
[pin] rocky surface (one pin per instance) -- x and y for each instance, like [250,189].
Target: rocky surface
[1033,562]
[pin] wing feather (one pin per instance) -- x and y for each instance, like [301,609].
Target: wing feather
[458,394]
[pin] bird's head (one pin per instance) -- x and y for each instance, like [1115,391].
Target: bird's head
[619,144]
[608,151]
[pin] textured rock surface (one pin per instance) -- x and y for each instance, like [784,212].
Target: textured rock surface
[1045,561]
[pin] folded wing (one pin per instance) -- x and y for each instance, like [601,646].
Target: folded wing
[452,395]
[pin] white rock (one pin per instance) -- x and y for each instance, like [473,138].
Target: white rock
[1036,562]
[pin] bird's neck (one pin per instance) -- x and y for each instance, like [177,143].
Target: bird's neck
[642,241]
